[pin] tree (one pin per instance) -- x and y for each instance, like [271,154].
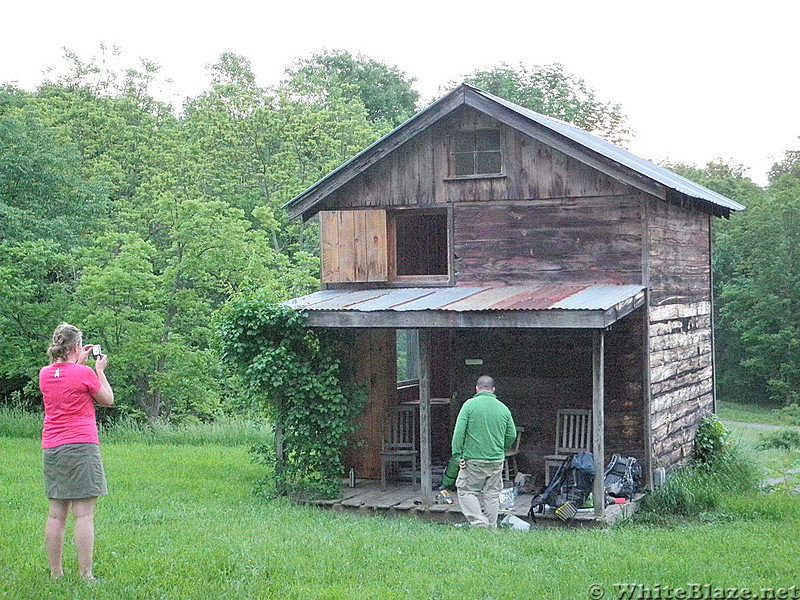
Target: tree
[757,278]
[46,211]
[384,90]
[547,89]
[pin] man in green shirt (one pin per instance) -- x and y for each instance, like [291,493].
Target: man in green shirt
[484,431]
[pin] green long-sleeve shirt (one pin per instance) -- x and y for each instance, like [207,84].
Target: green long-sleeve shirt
[484,429]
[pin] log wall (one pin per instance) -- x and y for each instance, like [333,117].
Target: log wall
[680,328]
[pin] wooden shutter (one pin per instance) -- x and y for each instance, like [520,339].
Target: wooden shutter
[353,244]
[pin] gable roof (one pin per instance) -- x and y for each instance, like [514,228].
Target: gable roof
[581,145]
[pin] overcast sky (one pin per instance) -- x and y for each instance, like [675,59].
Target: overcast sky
[699,80]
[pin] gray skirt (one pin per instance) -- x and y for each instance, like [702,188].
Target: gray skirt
[73,472]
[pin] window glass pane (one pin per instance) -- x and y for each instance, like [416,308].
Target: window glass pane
[464,142]
[464,164]
[487,162]
[407,355]
[487,140]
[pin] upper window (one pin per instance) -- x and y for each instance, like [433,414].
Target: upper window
[477,153]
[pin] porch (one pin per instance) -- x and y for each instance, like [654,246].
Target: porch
[548,348]
[407,500]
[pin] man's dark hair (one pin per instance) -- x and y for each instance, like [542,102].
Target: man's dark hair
[485,383]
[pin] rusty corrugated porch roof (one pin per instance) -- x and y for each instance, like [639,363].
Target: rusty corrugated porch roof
[531,306]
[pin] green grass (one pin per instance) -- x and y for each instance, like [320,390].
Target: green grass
[753,413]
[181,523]
[226,431]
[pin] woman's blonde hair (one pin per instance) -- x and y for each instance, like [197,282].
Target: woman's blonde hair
[64,339]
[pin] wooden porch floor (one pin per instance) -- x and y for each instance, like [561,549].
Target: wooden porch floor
[405,500]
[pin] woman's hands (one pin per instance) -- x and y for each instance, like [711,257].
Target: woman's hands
[83,354]
[100,363]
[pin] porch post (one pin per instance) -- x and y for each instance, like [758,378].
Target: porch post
[423,335]
[598,401]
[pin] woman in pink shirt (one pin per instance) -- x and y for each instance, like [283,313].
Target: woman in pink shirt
[73,469]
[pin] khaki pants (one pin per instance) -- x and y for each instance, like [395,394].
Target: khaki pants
[479,485]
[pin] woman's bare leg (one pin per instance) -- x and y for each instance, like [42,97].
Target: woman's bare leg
[54,536]
[83,512]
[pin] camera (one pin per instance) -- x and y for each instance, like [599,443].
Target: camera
[96,352]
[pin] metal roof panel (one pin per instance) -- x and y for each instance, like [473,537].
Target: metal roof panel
[598,297]
[439,297]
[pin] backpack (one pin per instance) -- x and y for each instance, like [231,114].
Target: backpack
[570,486]
[623,477]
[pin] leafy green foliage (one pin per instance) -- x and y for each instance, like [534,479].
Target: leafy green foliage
[711,442]
[756,283]
[783,439]
[547,89]
[138,224]
[296,374]
[383,90]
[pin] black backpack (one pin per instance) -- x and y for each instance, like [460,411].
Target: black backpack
[623,477]
[571,484]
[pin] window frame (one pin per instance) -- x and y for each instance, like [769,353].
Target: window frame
[456,146]
[442,279]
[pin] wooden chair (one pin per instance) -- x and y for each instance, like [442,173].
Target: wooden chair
[510,463]
[573,435]
[399,440]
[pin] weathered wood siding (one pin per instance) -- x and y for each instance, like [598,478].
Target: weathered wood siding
[548,217]
[625,405]
[353,246]
[373,354]
[589,239]
[681,353]
[419,172]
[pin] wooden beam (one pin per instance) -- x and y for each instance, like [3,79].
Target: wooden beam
[426,478]
[598,424]
[648,399]
[398,319]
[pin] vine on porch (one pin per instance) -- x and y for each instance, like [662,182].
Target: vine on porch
[296,374]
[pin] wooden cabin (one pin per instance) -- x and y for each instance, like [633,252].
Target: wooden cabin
[480,237]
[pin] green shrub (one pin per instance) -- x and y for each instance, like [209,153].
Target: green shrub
[711,441]
[297,375]
[790,414]
[702,487]
[783,439]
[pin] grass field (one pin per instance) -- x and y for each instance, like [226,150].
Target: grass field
[749,413]
[181,523]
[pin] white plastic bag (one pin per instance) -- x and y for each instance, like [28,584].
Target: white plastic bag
[515,523]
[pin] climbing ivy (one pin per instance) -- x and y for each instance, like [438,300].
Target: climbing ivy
[297,375]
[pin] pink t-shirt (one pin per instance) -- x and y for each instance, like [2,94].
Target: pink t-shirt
[69,418]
